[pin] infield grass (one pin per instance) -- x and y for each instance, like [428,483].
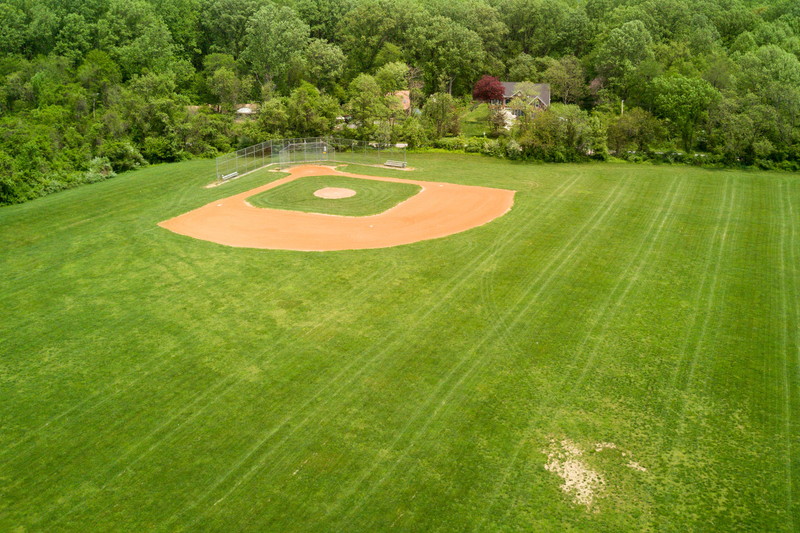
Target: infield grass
[153,382]
[372,197]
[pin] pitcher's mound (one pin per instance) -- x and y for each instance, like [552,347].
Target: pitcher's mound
[333,193]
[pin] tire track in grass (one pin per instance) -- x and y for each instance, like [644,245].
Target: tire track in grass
[794,328]
[787,251]
[347,375]
[112,197]
[112,389]
[541,281]
[712,292]
[493,313]
[636,264]
[626,280]
[67,456]
[697,328]
[84,407]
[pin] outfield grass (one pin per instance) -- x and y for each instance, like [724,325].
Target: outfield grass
[149,381]
[372,197]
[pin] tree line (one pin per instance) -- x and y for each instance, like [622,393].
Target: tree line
[89,88]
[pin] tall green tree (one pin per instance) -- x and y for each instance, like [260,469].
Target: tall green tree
[74,38]
[224,25]
[371,24]
[685,102]
[636,128]
[448,53]
[367,104]
[12,29]
[324,63]
[311,113]
[323,16]
[566,77]
[440,112]
[392,77]
[136,37]
[276,36]
[625,48]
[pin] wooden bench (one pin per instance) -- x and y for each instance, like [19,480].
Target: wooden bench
[230,176]
[398,164]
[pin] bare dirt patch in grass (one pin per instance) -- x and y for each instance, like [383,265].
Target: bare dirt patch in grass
[580,481]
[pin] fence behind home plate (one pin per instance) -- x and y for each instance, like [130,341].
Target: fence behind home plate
[283,152]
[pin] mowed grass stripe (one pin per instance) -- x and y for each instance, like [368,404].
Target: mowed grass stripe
[683,379]
[789,342]
[605,314]
[66,507]
[630,276]
[794,272]
[660,216]
[340,380]
[692,337]
[707,295]
[438,400]
[699,403]
[794,259]
[449,404]
[93,403]
[144,371]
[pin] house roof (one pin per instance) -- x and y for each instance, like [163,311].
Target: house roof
[510,89]
[405,99]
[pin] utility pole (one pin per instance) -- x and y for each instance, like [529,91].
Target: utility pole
[622,107]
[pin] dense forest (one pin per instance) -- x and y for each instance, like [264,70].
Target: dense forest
[89,88]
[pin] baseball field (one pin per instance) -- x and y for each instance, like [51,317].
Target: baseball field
[618,352]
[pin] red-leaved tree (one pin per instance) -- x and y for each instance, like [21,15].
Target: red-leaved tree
[488,88]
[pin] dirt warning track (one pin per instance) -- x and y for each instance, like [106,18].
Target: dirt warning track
[438,210]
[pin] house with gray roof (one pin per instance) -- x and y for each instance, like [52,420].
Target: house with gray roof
[540,97]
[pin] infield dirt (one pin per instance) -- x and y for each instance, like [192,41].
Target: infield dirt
[438,210]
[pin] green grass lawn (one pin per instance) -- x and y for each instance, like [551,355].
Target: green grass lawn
[150,381]
[372,197]
[475,122]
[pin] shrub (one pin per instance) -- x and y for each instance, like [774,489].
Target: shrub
[122,155]
[162,150]
[99,169]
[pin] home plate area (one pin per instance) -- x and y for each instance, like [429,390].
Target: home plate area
[437,210]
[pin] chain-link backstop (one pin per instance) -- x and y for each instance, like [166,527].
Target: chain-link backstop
[284,152]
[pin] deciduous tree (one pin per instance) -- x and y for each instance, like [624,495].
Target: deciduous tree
[684,101]
[447,52]
[275,37]
[488,88]
[441,114]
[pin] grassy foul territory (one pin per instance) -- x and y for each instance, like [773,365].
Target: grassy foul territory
[619,352]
